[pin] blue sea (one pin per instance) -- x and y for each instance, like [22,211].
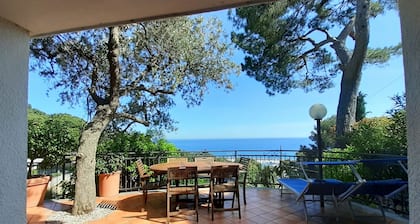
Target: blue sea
[240,144]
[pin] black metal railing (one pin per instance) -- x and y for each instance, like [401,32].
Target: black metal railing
[271,164]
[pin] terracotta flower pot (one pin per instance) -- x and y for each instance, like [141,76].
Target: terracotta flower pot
[35,190]
[109,184]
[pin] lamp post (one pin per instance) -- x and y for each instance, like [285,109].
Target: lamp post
[317,112]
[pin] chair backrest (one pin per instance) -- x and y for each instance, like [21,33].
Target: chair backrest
[177,159]
[140,168]
[220,172]
[204,159]
[182,173]
[245,163]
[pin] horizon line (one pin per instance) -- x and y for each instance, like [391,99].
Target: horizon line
[228,138]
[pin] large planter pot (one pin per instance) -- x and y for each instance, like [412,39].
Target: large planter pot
[35,190]
[109,184]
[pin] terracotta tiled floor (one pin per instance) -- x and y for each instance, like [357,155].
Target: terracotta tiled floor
[263,206]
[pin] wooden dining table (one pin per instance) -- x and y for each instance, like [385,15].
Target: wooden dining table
[202,166]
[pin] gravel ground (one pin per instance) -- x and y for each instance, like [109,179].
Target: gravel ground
[64,217]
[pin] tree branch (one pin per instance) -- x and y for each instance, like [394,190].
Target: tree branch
[128,126]
[348,30]
[340,44]
[153,91]
[133,118]
[316,47]
[114,65]
[92,89]
[327,35]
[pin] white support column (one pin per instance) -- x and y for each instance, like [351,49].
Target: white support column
[13,122]
[410,29]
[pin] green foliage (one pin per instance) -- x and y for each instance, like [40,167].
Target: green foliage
[68,188]
[361,107]
[267,176]
[109,163]
[114,145]
[288,168]
[373,137]
[327,132]
[370,136]
[307,153]
[369,171]
[339,172]
[254,169]
[397,130]
[164,145]
[274,50]
[52,136]
[379,56]
[133,142]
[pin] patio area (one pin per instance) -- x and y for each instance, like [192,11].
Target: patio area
[263,206]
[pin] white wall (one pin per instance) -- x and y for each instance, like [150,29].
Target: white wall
[410,29]
[13,122]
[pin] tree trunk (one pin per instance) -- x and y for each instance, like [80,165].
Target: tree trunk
[85,197]
[352,72]
[346,110]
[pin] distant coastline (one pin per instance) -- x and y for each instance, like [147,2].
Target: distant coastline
[239,138]
[240,143]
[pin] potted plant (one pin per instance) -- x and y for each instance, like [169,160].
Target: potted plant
[108,168]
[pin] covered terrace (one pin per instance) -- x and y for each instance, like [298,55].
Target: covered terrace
[21,20]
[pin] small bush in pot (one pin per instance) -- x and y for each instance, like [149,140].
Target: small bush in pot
[108,168]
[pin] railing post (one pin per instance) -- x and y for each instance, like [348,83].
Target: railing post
[280,161]
[63,167]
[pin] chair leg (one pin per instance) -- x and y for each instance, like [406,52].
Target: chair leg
[244,191]
[212,206]
[233,199]
[239,204]
[145,196]
[197,195]
[144,189]
[168,208]
[244,188]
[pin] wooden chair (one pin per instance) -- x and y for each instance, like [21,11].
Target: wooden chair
[177,159]
[204,159]
[204,178]
[243,173]
[176,174]
[145,183]
[224,179]
[209,160]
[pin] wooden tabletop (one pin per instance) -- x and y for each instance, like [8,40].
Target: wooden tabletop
[202,166]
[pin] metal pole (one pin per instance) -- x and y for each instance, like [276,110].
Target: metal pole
[319,145]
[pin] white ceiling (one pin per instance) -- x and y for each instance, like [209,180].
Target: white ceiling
[43,17]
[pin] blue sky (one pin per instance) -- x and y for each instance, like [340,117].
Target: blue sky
[248,112]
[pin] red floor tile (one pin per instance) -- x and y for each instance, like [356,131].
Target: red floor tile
[263,206]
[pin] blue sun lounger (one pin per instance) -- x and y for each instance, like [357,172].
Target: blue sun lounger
[380,189]
[308,189]
[344,191]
